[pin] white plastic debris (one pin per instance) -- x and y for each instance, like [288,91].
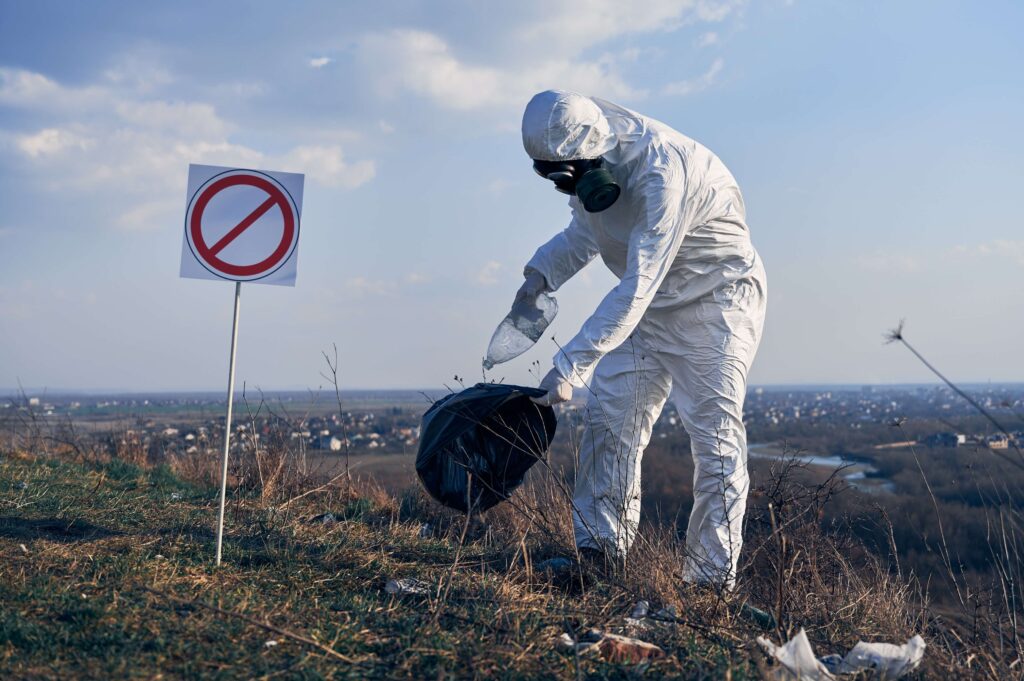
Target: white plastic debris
[640,610]
[797,660]
[175,496]
[407,586]
[523,327]
[669,613]
[887,661]
[271,643]
[636,620]
[890,661]
[426,531]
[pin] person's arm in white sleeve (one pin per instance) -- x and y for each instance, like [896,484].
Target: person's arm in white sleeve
[564,255]
[653,246]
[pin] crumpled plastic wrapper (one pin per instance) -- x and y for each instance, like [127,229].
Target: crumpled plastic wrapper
[887,661]
[521,329]
[407,586]
[611,647]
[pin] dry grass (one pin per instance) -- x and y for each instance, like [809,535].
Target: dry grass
[115,581]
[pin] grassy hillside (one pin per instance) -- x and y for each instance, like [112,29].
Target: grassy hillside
[107,573]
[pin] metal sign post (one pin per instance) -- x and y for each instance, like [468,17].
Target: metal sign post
[227,423]
[240,225]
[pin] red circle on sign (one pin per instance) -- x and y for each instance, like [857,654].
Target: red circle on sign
[205,251]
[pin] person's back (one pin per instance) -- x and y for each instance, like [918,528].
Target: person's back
[717,247]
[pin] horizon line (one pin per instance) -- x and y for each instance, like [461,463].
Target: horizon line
[186,391]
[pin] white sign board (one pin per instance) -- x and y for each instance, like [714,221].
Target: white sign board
[242,225]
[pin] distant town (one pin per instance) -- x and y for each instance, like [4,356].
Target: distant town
[389,421]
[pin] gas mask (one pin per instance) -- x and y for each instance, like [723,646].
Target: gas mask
[586,178]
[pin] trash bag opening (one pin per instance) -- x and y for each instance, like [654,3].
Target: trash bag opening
[478,445]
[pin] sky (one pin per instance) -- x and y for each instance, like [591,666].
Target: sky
[878,145]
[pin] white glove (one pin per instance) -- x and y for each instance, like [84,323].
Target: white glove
[534,285]
[558,389]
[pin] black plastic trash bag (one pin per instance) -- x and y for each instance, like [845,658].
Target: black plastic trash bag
[490,433]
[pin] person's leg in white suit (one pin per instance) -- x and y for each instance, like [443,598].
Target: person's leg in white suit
[627,393]
[713,343]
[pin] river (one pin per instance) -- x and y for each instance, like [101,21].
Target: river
[855,473]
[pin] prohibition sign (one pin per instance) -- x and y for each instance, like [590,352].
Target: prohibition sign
[278,203]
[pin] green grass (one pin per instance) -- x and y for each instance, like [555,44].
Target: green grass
[105,569]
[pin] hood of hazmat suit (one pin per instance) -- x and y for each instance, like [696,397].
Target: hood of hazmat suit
[684,321]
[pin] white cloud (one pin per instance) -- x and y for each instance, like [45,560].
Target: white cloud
[320,62]
[707,39]
[423,63]
[488,274]
[385,127]
[50,141]
[27,89]
[328,166]
[151,215]
[245,89]
[186,119]
[361,287]
[413,278]
[539,45]
[944,260]
[21,88]
[577,26]
[139,75]
[997,248]
[112,141]
[683,88]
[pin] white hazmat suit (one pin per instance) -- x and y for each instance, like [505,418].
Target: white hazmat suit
[684,321]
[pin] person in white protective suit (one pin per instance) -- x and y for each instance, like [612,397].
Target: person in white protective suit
[684,321]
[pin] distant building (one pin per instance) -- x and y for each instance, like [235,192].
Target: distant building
[329,443]
[997,441]
[945,440]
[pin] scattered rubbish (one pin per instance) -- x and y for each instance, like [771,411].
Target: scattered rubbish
[760,617]
[271,643]
[175,496]
[636,621]
[323,519]
[521,329]
[611,647]
[24,549]
[491,434]
[426,531]
[158,557]
[22,484]
[407,586]
[554,565]
[888,661]
[640,610]
[667,614]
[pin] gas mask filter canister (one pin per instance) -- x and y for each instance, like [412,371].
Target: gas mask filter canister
[588,179]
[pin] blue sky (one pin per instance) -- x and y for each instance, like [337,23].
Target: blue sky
[878,145]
